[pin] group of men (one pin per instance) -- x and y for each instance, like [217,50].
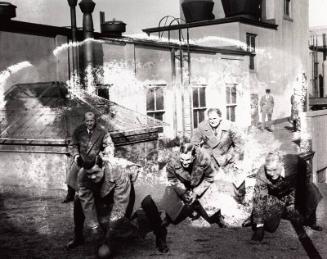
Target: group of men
[105,193]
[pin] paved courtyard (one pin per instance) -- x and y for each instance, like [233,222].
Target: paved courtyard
[39,227]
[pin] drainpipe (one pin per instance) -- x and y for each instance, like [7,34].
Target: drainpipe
[87,7]
[173,69]
[72,4]
[324,65]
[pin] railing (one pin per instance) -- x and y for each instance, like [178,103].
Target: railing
[317,125]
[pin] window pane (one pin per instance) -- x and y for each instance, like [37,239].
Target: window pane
[201,115]
[253,43]
[228,113]
[159,99]
[150,100]
[202,97]
[287,7]
[195,97]
[251,62]
[233,94]
[195,119]
[104,93]
[228,99]
[232,115]
[248,42]
[159,116]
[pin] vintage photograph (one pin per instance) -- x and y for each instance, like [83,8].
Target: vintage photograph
[178,129]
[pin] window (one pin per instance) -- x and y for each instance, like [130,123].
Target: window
[250,45]
[199,105]
[230,102]
[103,92]
[287,8]
[155,103]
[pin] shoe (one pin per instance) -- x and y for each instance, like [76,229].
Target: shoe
[315,227]
[218,219]
[161,242]
[68,199]
[97,233]
[70,195]
[258,234]
[75,243]
[247,222]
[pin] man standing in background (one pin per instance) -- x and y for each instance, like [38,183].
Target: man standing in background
[266,108]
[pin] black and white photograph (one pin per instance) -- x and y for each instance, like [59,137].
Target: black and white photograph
[180,129]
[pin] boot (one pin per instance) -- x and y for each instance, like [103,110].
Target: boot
[161,242]
[75,242]
[247,222]
[78,226]
[258,234]
[311,222]
[70,195]
[152,213]
[218,219]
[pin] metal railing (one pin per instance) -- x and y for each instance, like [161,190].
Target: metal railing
[317,124]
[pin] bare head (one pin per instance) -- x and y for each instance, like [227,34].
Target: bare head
[89,119]
[273,165]
[267,91]
[214,117]
[187,154]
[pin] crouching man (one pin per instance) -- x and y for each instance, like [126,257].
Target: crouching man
[190,174]
[105,201]
[275,196]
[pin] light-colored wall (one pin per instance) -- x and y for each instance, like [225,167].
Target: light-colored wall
[38,51]
[281,55]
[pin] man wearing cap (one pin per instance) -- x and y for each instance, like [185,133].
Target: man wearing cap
[275,195]
[266,108]
[87,142]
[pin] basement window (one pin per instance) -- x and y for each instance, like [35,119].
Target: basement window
[199,105]
[155,103]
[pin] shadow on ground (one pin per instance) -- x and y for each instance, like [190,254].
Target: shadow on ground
[33,227]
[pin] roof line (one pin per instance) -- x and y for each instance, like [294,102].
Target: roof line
[240,19]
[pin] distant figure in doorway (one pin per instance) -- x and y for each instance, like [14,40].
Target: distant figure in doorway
[266,108]
[295,113]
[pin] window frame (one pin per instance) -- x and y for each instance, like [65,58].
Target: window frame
[152,113]
[231,105]
[199,108]
[251,47]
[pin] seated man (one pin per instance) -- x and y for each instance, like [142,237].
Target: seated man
[107,192]
[190,174]
[275,196]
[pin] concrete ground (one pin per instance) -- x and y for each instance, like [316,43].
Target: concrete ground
[39,227]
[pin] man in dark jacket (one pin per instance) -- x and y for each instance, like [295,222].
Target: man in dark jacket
[275,196]
[190,174]
[87,142]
